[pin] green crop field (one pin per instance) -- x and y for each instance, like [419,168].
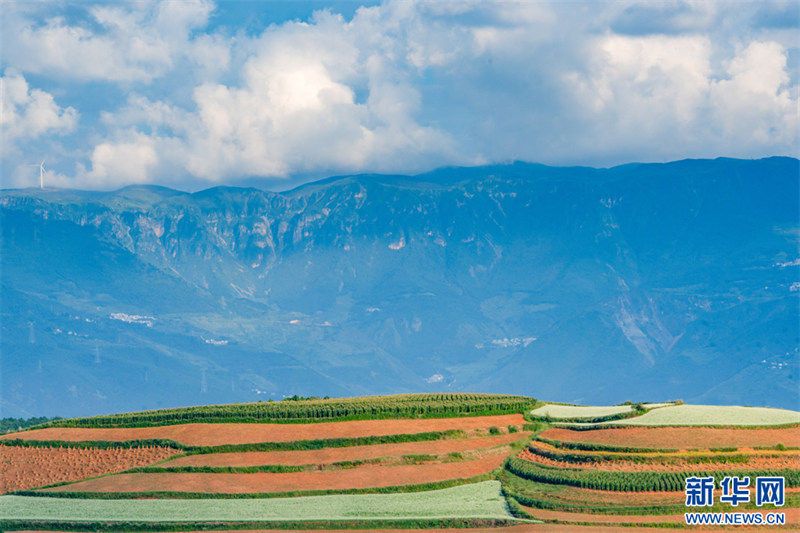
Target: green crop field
[479,500]
[712,415]
[318,410]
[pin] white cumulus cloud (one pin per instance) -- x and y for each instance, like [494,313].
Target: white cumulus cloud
[120,42]
[173,95]
[30,113]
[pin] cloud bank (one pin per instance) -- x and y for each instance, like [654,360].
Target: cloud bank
[188,93]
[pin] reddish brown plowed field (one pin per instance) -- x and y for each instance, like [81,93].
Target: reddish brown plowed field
[25,468]
[353,453]
[679,437]
[364,477]
[656,456]
[755,463]
[217,434]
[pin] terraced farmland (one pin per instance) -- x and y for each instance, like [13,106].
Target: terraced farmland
[326,456]
[713,415]
[316,409]
[623,473]
[226,434]
[23,468]
[686,438]
[605,475]
[559,411]
[479,500]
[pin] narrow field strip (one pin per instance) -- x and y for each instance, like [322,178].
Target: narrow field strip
[792,517]
[753,463]
[562,516]
[574,412]
[479,500]
[291,410]
[712,415]
[678,437]
[627,481]
[546,447]
[335,455]
[525,528]
[219,434]
[24,468]
[580,411]
[363,477]
[599,499]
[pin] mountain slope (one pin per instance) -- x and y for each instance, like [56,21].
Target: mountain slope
[642,282]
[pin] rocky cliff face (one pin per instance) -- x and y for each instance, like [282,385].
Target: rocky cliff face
[642,282]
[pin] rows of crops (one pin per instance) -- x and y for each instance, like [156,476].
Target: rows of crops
[478,500]
[646,458]
[362,408]
[713,415]
[629,481]
[577,500]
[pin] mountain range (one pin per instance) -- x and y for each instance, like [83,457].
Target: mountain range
[643,282]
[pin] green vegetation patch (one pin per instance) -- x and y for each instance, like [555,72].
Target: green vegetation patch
[546,496]
[630,481]
[713,415]
[302,410]
[479,500]
[649,457]
[7,425]
[316,444]
[593,447]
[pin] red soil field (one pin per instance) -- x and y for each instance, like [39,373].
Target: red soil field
[356,478]
[658,457]
[25,468]
[679,437]
[754,463]
[217,434]
[352,453]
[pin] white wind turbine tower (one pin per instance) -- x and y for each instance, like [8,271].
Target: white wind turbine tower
[42,173]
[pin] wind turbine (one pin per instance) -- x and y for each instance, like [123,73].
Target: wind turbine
[42,173]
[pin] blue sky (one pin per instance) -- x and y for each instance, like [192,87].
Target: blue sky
[195,93]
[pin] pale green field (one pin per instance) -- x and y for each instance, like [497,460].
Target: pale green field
[479,500]
[712,415]
[586,411]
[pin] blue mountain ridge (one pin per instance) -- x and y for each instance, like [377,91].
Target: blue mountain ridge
[641,282]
